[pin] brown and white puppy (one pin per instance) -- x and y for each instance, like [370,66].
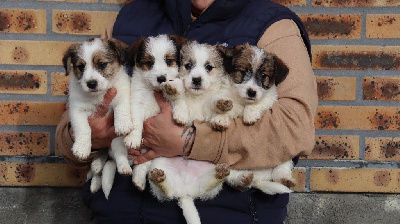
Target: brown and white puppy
[191,96]
[97,66]
[254,76]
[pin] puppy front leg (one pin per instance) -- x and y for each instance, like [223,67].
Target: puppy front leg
[221,110]
[120,154]
[174,92]
[240,179]
[121,105]
[82,134]
[251,114]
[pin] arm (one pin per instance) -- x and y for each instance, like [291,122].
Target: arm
[286,130]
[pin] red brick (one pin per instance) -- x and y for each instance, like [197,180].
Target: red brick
[30,113]
[335,147]
[24,144]
[22,21]
[59,84]
[81,22]
[291,2]
[355,3]
[336,88]
[358,118]
[23,82]
[332,26]
[40,174]
[381,88]
[383,26]
[382,149]
[32,52]
[355,180]
[356,57]
[299,174]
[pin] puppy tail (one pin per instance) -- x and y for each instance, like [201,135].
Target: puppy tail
[107,177]
[189,210]
[271,188]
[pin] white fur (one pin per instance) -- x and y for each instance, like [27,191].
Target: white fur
[251,110]
[83,103]
[186,180]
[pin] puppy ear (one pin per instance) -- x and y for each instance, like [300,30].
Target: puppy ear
[227,56]
[179,41]
[119,48]
[135,51]
[280,70]
[68,55]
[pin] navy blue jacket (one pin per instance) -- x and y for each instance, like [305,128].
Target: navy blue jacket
[226,21]
[232,22]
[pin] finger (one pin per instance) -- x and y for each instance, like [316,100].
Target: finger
[133,152]
[147,156]
[162,102]
[110,133]
[102,109]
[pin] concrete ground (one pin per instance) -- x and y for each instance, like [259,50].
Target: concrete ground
[63,205]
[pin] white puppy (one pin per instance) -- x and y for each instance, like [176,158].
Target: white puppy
[253,77]
[191,97]
[97,66]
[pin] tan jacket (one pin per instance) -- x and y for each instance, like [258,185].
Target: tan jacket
[284,132]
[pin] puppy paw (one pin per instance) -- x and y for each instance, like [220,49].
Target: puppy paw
[169,90]
[125,170]
[139,184]
[247,179]
[96,166]
[223,105]
[222,171]
[220,122]
[133,140]
[81,152]
[180,114]
[123,128]
[288,182]
[156,175]
[250,117]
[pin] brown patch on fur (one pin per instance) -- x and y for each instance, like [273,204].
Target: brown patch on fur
[106,63]
[171,60]
[71,56]
[78,66]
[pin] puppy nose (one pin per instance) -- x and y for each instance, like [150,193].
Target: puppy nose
[92,84]
[161,79]
[196,81]
[251,93]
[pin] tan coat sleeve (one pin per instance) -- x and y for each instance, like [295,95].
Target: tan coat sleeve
[64,144]
[286,130]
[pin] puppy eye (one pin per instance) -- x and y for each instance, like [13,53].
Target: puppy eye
[264,76]
[209,67]
[149,63]
[102,65]
[169,61]
[188,66]
[81,67]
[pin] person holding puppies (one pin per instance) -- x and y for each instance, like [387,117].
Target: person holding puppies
[284,132]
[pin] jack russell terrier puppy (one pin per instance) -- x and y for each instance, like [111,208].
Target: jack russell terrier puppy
[97,66]
[253,79]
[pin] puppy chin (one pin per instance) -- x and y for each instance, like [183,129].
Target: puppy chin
[196,90]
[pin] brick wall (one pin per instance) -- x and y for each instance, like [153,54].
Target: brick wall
[356,58]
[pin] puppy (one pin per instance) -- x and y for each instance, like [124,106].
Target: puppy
[190,96]
[97,65]
[253,76]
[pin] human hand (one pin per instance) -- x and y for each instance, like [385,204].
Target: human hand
[107,32]
[162,136]
[102,124]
